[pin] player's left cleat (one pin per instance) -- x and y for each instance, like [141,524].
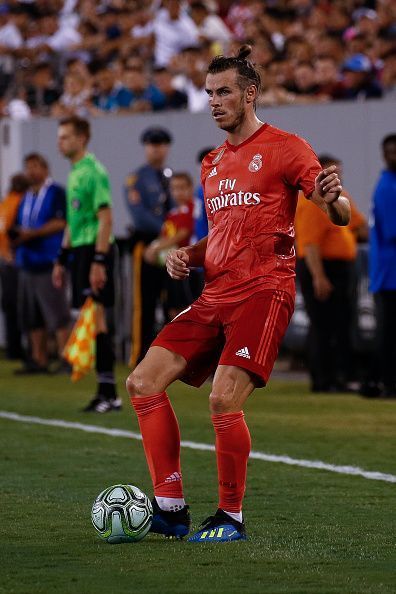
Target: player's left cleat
[170,524]
[219,528]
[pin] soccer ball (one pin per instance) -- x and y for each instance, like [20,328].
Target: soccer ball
[122,513]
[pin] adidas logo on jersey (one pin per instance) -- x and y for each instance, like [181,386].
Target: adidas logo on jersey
[176,476]
[244,352]
[213,172]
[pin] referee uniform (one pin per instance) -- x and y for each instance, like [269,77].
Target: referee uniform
[88,191]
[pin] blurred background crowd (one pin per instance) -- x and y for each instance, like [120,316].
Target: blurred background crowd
[92,57]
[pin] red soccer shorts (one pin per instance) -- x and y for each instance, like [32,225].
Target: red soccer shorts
[245,334]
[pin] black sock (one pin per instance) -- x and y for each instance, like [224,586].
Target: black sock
[105,361]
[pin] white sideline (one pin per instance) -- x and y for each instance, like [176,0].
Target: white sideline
[319,465]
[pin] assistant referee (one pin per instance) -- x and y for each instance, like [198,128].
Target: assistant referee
[88,244]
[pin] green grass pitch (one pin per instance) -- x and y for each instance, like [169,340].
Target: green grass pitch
[310,531]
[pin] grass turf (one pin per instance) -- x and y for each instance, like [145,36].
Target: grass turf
[310,531]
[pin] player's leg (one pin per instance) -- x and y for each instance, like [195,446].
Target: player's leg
[254,330]
[231,388]
[158,424]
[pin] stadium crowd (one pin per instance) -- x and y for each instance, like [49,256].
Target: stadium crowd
[91,57]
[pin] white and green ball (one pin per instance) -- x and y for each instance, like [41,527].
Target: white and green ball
[122,513]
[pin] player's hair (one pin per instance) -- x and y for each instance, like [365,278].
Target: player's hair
[327,159]
[80,126]
[247,73]
[36,157]
[183,175]
[389,139]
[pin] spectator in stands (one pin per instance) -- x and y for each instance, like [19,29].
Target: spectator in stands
[176,232]
[144,96]
[43,92]
[174,30]
[149,201]
[383,270]
[273,91]
[327,77]
[192,79]
[109,95]
[304,84]
[75,98]
[358,79]
[37,236]
[8,271]
[174,99]
[325,267]
[388,78]
[210,27]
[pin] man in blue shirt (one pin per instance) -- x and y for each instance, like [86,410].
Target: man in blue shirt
[37,236]
[383,265]
[148,199]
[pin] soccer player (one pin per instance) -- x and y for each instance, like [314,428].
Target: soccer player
[234,329]
[88,237]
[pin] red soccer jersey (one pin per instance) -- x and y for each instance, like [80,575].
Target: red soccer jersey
[251,194]
[180,217]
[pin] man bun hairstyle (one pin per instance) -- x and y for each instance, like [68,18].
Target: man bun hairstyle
[247,73]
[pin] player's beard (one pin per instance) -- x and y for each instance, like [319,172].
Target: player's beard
[240,115]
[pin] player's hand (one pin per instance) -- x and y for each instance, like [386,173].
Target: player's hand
[97,277]
[58,276]
[328,184]
[177,264]
[322,287]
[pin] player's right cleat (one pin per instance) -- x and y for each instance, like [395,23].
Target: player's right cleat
[170,524]
[219,528]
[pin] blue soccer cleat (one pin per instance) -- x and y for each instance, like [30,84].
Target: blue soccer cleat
[219,528]
[170,524]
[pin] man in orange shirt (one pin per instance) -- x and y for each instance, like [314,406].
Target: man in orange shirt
[326,256]
[8,271]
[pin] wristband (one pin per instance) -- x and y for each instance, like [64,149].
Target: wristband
[99,258]
[63,256]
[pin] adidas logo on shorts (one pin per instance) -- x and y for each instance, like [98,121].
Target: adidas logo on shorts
[244,352]
[213,172]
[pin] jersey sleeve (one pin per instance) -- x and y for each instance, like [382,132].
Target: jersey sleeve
[300,165]
[101,190]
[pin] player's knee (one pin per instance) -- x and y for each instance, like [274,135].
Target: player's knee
[222,401]
[140,384]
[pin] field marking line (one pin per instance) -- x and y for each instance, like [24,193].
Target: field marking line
[317,464]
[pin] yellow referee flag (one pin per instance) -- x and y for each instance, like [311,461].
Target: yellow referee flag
[80,349]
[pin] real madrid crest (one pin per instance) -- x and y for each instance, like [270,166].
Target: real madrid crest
[256,163]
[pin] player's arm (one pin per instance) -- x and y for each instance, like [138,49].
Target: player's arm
[97,273]
[179,262]
[327,196]
[49,228]
[58,271]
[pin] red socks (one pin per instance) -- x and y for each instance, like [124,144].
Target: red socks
[161,441]
[232,450]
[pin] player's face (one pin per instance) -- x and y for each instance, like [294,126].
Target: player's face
[69,143]
[227,100]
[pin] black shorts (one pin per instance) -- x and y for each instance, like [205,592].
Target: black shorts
[80,266]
